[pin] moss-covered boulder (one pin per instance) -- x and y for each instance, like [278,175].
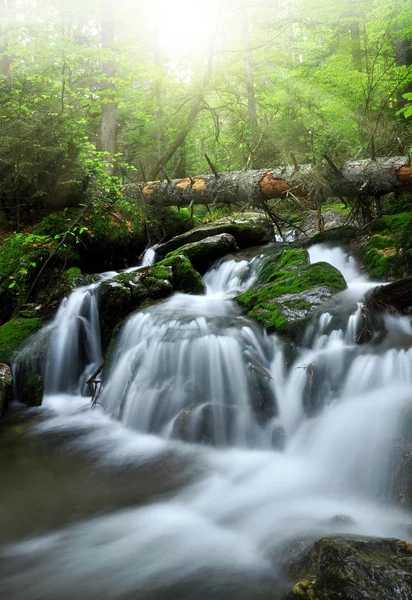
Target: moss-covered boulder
[14,333]
[6,380]
[247,233]
[184,277]
[204,253]
[353,568]
[129,291]
[289,290]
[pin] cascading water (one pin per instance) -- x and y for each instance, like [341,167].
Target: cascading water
[231,511]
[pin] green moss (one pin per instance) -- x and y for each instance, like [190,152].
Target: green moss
[32,392]
[266,303]
[14,333]
[379,254]
[274,266]
[185,278]
[160,271]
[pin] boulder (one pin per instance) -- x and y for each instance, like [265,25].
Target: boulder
[247,233]
[6,380]
[352,568]
[289,290]
[204,253]
[344,234]
[126,292]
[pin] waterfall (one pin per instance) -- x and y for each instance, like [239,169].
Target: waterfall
[194,368]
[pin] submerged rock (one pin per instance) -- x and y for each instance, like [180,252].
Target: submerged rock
[289,290]
[204,253]
[208,424]
[6,380]
[353,568]
[247,233]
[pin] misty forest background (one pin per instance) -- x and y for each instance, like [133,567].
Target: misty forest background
[96,94]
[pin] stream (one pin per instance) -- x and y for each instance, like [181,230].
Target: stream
[106,502]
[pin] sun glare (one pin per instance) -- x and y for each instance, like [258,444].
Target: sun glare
[185,25]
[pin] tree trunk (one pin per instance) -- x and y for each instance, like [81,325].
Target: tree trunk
[109,111]
[251,97]
[354,179]
[194,111]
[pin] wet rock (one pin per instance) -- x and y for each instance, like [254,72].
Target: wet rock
[129,291]
[184,277]
[400,488]
[333,217]
[32,389]
[289,291]
[352,568]
[6,380]
[247,233]
[204,253]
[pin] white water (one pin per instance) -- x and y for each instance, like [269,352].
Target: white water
[219,536]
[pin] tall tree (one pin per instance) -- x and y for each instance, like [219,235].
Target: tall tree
[109,110]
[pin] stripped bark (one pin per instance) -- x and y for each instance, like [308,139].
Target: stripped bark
[357,178]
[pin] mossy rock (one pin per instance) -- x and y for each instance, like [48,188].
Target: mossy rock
[32,389]
[14,333]
[204,253]
[6,381]
[247,233]
[184,277]
[274,267]
[336,235]
[289,298]
[353,568]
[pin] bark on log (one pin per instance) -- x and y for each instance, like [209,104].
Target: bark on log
[355,178]
[395,297]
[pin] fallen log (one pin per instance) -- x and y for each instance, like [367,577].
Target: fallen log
[353,179]
[395,298]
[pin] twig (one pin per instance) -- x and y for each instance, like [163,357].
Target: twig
[211,165]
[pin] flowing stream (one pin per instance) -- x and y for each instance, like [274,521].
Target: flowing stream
[108,503]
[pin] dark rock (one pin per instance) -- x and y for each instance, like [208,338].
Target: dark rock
[352,568]
[6,380]
[344,234]
[247,233]
[32,389]
[198,424]
[204,253]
